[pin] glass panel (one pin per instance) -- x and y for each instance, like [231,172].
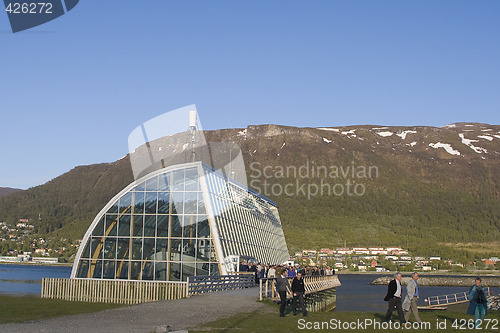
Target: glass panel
[164,181]
[83,269]
[191,179]
[99,228]
[204,249]
[203,229]
[150,226]
[123,248]
[96,269]
[109,269]
[201,204]
[161,271]
[202,268]
[190,202]
[188,250]
[149,249]
[135,270]
[137,248]
[137,225]
[175,271]
[189,226]
[138,202]
[161,249]
[214,269]
[176,226]
[114,208]
[177,202]
[147,271]
[96,249]
[162,226]
[188,269]
[111,227]
[122,269]
[126,203]
[140,187]
[152,184]
[178,181]
[124,225]
[175,249]
[110,248]
[163,202]
[151,198]
[86,251]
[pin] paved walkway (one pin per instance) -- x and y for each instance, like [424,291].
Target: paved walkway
[151,317]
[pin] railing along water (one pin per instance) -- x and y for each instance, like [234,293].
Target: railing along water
[312,284]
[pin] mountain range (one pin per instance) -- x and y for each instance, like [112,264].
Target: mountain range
[434,190]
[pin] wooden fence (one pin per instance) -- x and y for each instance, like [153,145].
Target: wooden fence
[312,284]
[112,291]
[209,283]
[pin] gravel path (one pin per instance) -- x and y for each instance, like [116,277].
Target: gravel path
[151,317]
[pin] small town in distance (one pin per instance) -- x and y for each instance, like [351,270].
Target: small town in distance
[348,259]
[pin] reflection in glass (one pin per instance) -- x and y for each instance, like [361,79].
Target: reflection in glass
[163,202]
[137,225]
[175,249]
[149,225]
[110,248]
[162,226]
[124,225]
[122,269]
[109,269]
[150,206]
[83,269]
[161,271]
[161,249]
[136,248]
[178,180]
[123,248]
[175,271]
[111,225]
[135,270]
[99,228]
[176,226]
[149,248]
[138,202]
[164,181]
[126,203]
[148,270]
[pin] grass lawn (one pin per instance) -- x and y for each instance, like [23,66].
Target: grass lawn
[269,321]
[18,309]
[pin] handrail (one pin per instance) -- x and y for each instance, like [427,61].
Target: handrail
[312,284]
[449,299]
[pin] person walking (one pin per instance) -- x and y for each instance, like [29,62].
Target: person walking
[478,304]
[281,286]
[394,298]
[298,290]
[411,298]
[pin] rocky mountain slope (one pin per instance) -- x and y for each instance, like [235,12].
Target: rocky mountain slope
[422,187]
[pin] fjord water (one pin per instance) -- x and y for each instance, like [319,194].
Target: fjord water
[355,293]
[26,280]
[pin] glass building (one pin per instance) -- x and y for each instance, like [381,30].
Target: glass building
[183,220]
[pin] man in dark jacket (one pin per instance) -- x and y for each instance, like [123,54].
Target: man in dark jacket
[394,297]
[281,286]
[478,303]
[298,291]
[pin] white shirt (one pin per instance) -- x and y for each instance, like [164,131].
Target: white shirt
[398,289]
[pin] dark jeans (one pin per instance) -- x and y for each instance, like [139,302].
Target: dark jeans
[282,302]
[300,298]
[395,301]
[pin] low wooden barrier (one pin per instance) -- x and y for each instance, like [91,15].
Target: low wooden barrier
[210,283]
[312,284]
[112,291]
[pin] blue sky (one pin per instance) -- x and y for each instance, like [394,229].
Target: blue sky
[73,89]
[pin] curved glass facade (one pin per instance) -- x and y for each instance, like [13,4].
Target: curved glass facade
[178,222]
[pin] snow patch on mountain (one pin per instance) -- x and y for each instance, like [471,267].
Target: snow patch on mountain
[403,134]
[449,149]
[385,134]
[469,144]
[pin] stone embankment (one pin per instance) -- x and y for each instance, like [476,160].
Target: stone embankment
[465,281]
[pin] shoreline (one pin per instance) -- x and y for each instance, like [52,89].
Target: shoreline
[36,263]
[489,273]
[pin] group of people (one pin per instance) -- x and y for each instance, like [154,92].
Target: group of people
[298,291]
[477,300]
[262,271]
